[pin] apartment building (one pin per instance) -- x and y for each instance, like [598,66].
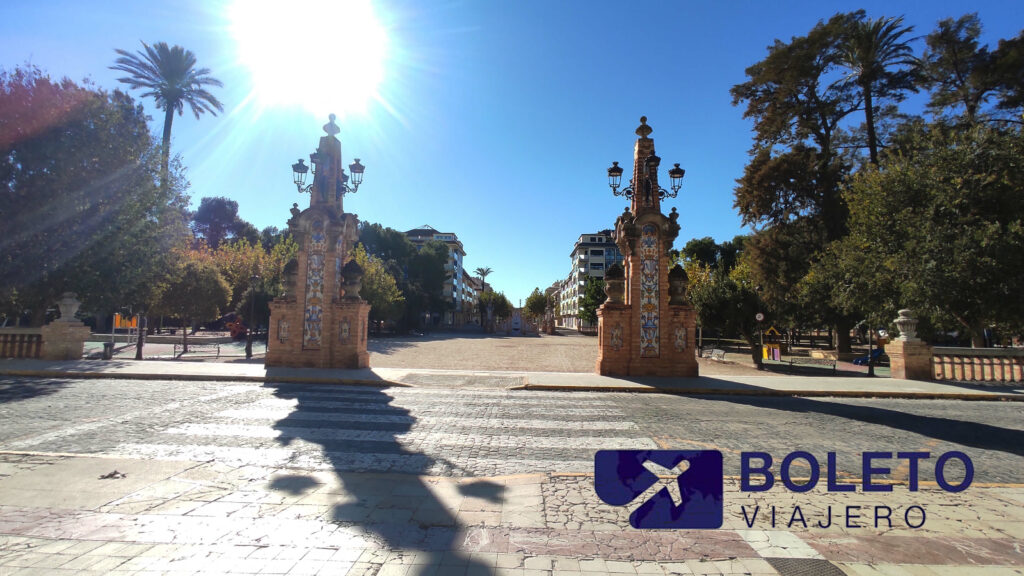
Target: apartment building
[591,255]
[459,288]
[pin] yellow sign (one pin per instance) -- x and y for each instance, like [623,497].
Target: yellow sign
[125,321]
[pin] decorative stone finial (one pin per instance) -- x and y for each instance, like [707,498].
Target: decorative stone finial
[353,279]
[615,283]
[907,326]
[68,305]
[677,283]
[644,130]
[331,128]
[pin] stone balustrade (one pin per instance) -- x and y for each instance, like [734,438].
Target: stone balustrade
[978,365]
[20,342]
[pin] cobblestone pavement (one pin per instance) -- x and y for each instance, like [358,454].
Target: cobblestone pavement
[152,477]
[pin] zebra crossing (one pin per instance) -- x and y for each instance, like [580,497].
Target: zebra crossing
[429,431]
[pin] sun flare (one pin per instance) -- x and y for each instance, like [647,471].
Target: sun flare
[323,55]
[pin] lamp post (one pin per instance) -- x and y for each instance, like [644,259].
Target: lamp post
[321,161]
[650,166]
[252,316]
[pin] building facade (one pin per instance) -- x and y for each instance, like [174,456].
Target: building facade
[591,255]
[460,290]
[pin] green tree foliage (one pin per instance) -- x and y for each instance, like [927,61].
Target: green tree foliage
[217,220]
[169,75]
[593,297]
[964,77]
[940,229]
[790,190]
[379,287]
[536,304]
[727,301]
[500,304]
[712,254]
[196,293]
[419,273]
[483,273]
[79,200]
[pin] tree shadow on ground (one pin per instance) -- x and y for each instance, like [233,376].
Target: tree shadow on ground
[384,492]
[973,434]
[16,389]
[389,345]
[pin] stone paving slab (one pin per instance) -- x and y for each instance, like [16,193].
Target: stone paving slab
[208,517]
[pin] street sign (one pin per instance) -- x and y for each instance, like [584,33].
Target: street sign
[759,317]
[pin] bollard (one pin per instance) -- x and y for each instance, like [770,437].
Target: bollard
[108,350]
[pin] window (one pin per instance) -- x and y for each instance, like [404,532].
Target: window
[593,239]
[597,252]
[597,266]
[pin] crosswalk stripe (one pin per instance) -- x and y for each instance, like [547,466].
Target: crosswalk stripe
[411,439]
[336,460]
[547,409]
[424,419]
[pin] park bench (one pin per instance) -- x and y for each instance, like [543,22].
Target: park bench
[204,349]
[713,353]
[805,361]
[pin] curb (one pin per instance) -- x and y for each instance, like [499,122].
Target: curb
[767,392]
[204,378]
[782,393]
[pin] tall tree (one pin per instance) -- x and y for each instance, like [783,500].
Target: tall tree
[593,297]
[952,213]
[78,194]
[880,62]
[379,288]
[168,75]
[956,68]
[536,304]
[790,189]
[964,77]
[483,273]
[217,219]
[196,293]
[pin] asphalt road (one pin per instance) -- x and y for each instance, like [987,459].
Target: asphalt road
[468,432]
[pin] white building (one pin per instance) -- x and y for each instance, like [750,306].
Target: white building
[456,289]
[591,256]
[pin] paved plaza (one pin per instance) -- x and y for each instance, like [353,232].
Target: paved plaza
[431,471]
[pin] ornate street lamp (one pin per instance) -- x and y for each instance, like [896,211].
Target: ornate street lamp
[300,169]
[649,167]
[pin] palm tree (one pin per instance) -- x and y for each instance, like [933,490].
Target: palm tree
[169,75]
[483,273]
[870,50]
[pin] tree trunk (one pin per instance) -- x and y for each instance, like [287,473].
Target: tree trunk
[184,337]
[143,323]
[756,353]
[165,152]
[842,336]
[869,116]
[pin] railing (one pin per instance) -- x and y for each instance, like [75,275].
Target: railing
[997,365]
[21,343]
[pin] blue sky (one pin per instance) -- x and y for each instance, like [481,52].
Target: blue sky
[493,120]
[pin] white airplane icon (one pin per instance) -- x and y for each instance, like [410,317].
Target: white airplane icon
[667,478]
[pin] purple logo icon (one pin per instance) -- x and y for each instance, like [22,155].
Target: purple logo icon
[690,497]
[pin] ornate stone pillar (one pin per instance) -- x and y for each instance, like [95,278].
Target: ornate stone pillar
[647,327]
[909,357]
[64,338]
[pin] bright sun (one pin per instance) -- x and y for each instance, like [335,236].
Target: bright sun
[323,55]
